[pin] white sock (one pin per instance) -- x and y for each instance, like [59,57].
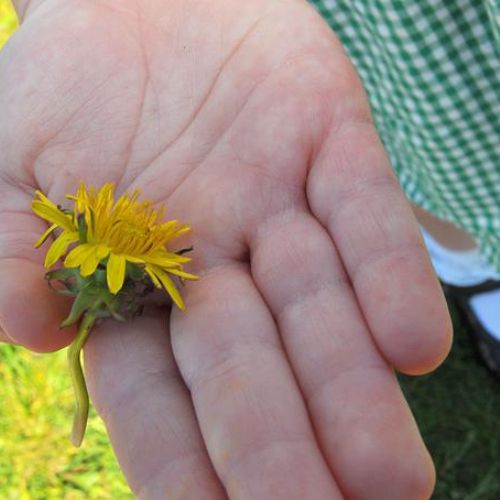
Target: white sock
[468,268]
[458,267]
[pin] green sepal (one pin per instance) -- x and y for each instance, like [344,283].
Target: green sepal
[70,278]
[83,302]
[91,293]
[82,228]
[99,277]
[134,271]
[113,304]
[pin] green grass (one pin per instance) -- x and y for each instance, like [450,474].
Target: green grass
[457,408]
[37,460]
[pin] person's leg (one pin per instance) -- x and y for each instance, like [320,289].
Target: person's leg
[445,233]
[454,253]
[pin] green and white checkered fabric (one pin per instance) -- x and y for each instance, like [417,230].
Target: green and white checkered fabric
[432,72]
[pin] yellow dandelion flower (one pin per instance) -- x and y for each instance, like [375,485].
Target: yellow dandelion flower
[113,252]
[114,234]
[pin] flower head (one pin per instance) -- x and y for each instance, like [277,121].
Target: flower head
[122,237]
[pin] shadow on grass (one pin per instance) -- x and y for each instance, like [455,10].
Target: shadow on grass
[458,412]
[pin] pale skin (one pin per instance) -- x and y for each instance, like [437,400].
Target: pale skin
[446,233]
[247,120]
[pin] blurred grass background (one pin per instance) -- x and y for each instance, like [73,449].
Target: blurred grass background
[457,409]
[37,460]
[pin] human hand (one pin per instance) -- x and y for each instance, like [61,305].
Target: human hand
[247,120]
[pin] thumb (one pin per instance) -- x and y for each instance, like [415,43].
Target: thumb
[30,312]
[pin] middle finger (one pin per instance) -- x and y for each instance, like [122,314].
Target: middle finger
[251,413]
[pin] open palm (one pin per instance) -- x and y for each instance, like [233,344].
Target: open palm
[247,120]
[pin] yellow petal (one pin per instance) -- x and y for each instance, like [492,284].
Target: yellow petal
[102,251]
[80,198]
[90,221]
[184,275]
[181,230]
[59,246]
[179,258]
[135,260]
[42,197]
[78,255]
[89,265]
[116,272]
[154,279]
[49,212]
[45,235]
[169,286]
[166,259]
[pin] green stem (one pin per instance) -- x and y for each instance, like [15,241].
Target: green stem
[79,386]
